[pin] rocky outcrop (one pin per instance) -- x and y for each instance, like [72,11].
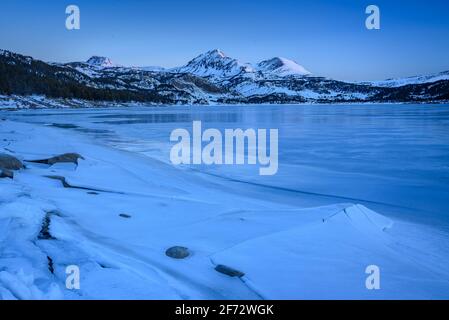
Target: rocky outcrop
[62,158]
[9,162]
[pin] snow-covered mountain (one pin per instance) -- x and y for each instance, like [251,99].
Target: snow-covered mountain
[101,62]
[214,64]
[281,67]
[212,77]
[217,65]
[392,83]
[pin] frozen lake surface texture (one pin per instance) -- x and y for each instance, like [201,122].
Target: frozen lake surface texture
[356,186]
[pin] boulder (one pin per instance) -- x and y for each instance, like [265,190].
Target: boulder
[62,158]
[9,162]
[5,173]
[229,271]
[177,252]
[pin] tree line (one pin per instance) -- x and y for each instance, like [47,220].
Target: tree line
[37,77]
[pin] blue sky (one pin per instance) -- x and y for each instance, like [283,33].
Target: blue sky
[327,37]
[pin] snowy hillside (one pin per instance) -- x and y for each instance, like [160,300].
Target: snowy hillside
[410,80]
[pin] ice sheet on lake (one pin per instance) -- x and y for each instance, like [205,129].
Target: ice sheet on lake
[285,251]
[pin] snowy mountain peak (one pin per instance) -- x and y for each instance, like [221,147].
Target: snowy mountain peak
[214,64]
[211,56]
[217,65]
[101,62]
[216,53]
[282,67]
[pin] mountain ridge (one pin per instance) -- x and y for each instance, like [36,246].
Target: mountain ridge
[210,78]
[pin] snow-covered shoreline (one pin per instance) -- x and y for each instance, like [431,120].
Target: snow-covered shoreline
[39,102]
[127,209]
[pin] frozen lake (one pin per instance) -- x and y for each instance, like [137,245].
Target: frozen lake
[394,159]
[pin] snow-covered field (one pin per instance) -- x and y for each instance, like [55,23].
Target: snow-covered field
[308,233]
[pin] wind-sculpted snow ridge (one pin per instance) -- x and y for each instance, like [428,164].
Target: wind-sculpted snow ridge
[240,246]
[210,78]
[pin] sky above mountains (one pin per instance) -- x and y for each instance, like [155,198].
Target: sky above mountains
[327,37]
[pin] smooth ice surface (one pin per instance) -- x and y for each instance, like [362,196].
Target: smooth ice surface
[394,158]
